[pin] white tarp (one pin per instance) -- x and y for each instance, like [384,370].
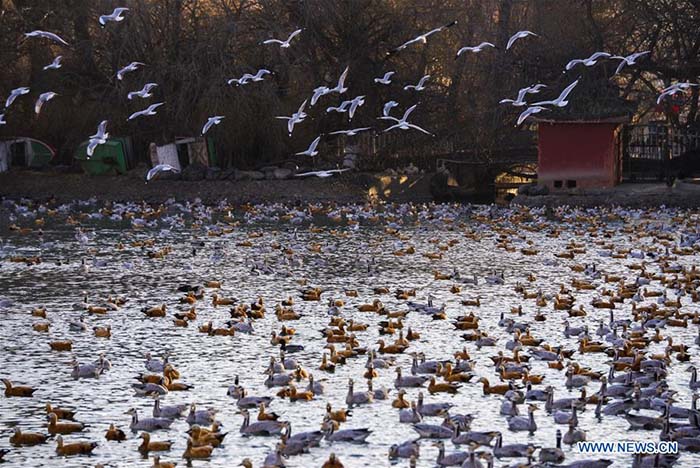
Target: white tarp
[167,154]
[4,156]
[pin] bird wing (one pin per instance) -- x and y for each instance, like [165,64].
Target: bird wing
[314,144]
[463,50]
[339,132]
[137,114]
[619,68]
[423,80]
[38,104]
[512,40]
[301,108]
[55,37]
[566,91]
[92,144]
[155,106]
[408,112]
[273,41]
[573,63]
[343,76]
[293,35]
[598,55]
[102,128]
[416,127]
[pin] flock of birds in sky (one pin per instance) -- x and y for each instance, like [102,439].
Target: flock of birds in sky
[348,107]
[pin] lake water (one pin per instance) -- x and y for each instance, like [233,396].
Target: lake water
[333,254]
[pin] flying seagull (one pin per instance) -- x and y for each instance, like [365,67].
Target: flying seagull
[155,170]
[150,110]
[673,89]
[144,93]
[423,38]
[295,118]
[418,87]
[318,92]
[260,73]
[589,62]
[528,112]
[47,35]
[322,174]
[519,101]
[343,107]
[340,87]
[240,81]
[14,94]
[55,65]
[387,108]
[518,35]
[354,104]
[351,132]
[43,98]
[628,60]
[311,151]
[117,15]
[98,138]
[561,100]
[284,44]
[474,49]
[2,119]
[386,79]
[133,66]
[211,121]
[403,123]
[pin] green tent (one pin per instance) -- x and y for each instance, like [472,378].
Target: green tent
[111,158]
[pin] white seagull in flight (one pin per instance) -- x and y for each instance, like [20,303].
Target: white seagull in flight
[350,132]
[150,110]
[561,100]
[628,60]
[386,79]
[387,108]
[474,49]
[43,98]
[144,93]
[518,35]
[14,94]
[519,101]
[47,35]
[55,65]
[117,15]
[211,121]
[403,123]
[343,107]
[423,38]
[98,138]
[418,87]
[673,89]
[284,44]
[295,118]
[528,112]
[311,151]
[340,87]
[155,170]
[323,174]
[133,66]
[318,92]
[589,62]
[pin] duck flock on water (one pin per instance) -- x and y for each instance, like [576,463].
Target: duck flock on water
[328,333]
[349,106]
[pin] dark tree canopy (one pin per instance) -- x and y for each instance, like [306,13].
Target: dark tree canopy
[192,47]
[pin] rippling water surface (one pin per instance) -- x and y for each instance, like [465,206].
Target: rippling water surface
[211,362]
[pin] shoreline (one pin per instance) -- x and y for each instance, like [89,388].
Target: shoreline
[345,189]
[349,188]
